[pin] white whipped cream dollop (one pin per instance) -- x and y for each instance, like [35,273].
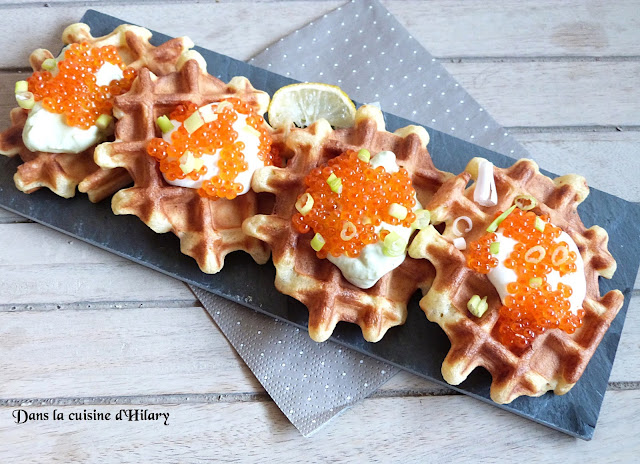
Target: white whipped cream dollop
[246,135]
[500,276]
[107,73]
[365,270]
[48,132]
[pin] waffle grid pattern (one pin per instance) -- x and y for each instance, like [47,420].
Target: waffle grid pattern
[208,229]
[556,360]
[63,172]
[316,283]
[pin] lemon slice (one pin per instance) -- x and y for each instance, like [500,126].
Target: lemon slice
[304,104]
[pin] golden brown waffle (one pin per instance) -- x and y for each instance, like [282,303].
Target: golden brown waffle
[315,282]
[556,360]
[208,229]
[62,172]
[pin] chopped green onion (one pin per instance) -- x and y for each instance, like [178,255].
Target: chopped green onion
[186,162]
[393,245]
[222,105]
[398,211]
[535,282]
[477,306]
[165,124]
[189,163]
[251,132]
[304,203]
[494,225]
[364,155]
[22,86]
[198,163]
[473,302]
[49,64]
[317,242]
[423,217]
[535,254]
[560,255]
[348,231]
[525,202]
[103,121]
[335,183]
[207,113]
[193,122]
[25,100]
[466,219]
[494,248]
[482,307]
[539,225]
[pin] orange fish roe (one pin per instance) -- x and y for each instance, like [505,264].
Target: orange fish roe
[532,306]
[364,201]
[216,136]
[73,91]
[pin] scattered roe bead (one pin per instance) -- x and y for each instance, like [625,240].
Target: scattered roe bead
[73,91]
[531,307]
[219,136]
[358,208]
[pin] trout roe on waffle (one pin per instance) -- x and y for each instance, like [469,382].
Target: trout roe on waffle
[532,305]
[347,218]
[215,137]
[73,91]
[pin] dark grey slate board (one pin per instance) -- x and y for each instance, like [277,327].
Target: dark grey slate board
[418,346]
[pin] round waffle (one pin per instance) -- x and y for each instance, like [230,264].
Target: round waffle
[208,229]
[63,172]
[555,360]
[317,283]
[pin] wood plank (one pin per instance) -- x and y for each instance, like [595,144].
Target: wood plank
[40,265]
[516,28]
[94,357]
[404,383]
[88,353]
[376,430]
[459,29]
[608,160]
[9,217]
[94,352]
[554,93]
[626,367]
[220,27]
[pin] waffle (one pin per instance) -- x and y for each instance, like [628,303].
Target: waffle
[555,359]
[208,229]
[317,283]
[63,172]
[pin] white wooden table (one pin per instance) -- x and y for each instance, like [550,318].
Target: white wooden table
[83,329]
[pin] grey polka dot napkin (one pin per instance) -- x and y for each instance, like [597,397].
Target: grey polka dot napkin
[310,382]
[363,49]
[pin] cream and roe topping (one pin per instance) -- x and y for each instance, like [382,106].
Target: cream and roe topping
[539,274]
[362,212]
[217,157]
[71,97]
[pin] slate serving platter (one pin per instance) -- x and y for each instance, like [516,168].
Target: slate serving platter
[418,346]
